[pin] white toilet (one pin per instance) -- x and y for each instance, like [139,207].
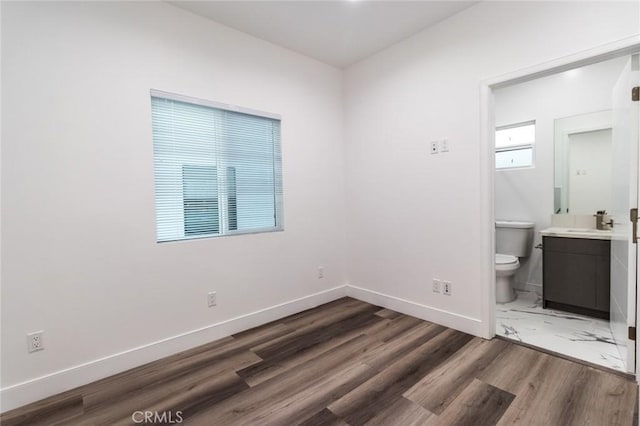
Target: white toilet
[513,240]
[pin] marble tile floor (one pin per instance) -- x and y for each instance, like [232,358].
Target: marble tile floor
[578,336]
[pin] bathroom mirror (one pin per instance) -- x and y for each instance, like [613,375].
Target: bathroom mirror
[582,178]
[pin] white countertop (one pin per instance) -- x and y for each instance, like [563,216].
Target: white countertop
[593,234]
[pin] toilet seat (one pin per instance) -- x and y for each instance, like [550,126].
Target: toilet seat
[505,262]
[505,259]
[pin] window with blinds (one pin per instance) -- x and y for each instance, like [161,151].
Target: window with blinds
[218,169]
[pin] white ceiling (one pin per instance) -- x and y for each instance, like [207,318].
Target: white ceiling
[338,33]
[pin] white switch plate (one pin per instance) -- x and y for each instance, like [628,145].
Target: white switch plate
[436,286]
[211,299]
[444,145]
[446,288]
[434,147]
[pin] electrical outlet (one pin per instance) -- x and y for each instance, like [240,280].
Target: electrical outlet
[446,288]
[434,147]
[35,342]
[211,299]
[436,286]
[320,271]
[444,145]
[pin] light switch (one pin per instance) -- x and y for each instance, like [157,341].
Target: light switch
[444,145]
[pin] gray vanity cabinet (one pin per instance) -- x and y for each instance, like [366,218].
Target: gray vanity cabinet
[575,275]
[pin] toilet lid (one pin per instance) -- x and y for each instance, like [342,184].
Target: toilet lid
[505,259]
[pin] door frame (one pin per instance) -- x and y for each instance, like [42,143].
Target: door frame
[601,53]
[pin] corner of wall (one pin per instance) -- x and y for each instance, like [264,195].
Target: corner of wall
[439,316]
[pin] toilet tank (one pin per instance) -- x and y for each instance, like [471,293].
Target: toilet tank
[514,238]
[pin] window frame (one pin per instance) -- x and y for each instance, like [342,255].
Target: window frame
[222,191]
[518,147]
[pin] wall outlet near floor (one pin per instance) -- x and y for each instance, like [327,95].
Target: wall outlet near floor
[446,288]
[436,286]
[211,299]
[35,342]
[434,147]
[320,271]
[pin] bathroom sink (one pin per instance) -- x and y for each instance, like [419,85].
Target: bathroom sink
[590,233]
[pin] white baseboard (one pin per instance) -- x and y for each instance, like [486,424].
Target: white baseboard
[532,287]
[29,391]
[449,319]
[23,393]
[535,288]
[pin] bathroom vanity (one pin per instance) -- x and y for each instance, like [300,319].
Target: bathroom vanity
[576,270]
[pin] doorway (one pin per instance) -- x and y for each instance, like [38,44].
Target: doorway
[539,206]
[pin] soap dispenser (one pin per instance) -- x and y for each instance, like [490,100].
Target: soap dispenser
[600,220]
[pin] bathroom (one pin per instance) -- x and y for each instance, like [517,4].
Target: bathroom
[556,166]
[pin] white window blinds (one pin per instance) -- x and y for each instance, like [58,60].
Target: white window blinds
[217,171]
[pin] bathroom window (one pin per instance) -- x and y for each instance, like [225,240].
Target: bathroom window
[218,169]
[514,145]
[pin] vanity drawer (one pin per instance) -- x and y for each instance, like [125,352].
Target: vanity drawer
[577,246]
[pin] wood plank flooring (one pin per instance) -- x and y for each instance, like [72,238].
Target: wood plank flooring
[348,363]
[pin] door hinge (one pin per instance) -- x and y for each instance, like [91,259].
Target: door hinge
[635,94]
[632,333]
[633,217]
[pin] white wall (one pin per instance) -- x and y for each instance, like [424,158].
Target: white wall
[527,194]
[78,245]
[414,216]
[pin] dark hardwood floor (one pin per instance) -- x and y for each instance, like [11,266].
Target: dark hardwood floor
[348,363]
